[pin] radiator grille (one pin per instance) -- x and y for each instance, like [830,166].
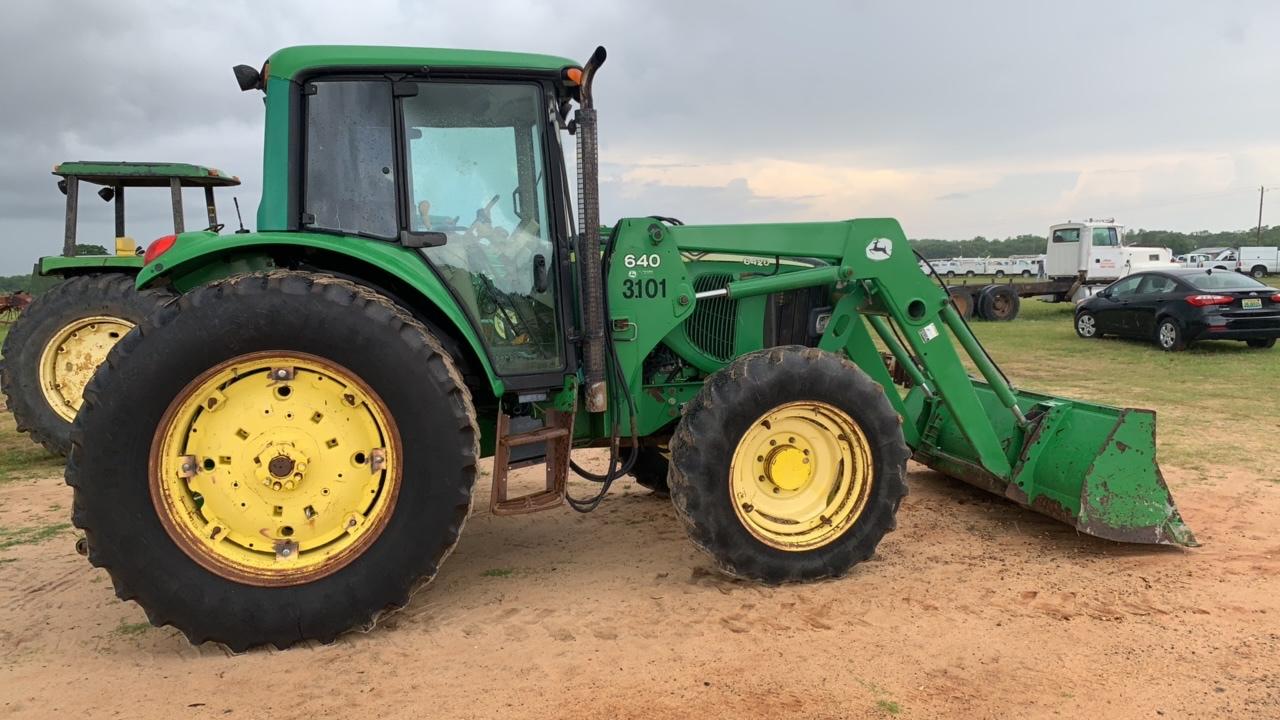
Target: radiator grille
[711,326]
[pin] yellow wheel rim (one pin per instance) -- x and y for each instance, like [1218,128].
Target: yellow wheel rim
[70,358]
[275,468]
[801,475]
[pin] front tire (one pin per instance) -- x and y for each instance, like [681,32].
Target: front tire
[286,374]
[59,341]
[1087,325]
[1258,272]
[650,470]
[1169,336]
[788,466]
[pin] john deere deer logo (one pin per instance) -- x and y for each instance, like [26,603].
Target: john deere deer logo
[880,249]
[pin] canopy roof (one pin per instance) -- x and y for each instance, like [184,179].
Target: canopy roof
[144,174]
[288,62]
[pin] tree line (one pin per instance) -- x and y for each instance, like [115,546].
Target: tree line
[1178,242]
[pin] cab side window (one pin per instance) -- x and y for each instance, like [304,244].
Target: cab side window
[1105,237]
[349,184]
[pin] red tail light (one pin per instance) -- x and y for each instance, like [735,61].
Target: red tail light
[158,247]
[1197,300]
[1275,298]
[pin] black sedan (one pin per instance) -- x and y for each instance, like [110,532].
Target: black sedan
[1179,306]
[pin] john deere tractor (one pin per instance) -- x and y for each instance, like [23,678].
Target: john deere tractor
[58,342]
[290,448]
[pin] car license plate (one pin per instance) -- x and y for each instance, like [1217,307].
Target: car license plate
[1251,303]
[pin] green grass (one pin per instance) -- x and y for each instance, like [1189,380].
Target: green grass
[20,458]
[889,707]
[498,572]
[1218,403]
[128,628]
[13,537]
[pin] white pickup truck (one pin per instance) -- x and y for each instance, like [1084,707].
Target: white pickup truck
[1258,261]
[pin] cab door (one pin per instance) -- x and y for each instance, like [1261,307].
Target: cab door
[1106,257]
[477,172]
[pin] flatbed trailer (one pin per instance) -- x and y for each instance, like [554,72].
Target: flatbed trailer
[1001,300]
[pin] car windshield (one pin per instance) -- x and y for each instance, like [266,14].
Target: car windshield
[1224,280]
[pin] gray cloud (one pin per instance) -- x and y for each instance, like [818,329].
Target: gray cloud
[996,115]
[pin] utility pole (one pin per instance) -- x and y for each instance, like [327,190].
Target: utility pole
[1262,190]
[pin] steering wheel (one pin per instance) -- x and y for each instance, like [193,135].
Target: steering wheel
[485,214]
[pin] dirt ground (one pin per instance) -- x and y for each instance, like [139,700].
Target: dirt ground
[974,608]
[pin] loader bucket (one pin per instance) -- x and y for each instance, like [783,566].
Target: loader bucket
[1090,466]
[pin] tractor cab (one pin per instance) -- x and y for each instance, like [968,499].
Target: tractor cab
[462,167]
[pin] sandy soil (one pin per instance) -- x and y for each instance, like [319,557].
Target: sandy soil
[974,608]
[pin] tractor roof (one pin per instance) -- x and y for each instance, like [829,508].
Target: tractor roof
[144,174]
[289,62]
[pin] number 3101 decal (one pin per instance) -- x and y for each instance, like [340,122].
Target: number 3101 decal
[644,288]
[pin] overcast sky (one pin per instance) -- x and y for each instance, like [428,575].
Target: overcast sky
[958,118]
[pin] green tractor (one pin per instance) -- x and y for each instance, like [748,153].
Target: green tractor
[290,448]
[58,342]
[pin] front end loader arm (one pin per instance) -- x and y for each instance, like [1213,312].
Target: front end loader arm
[1092,466]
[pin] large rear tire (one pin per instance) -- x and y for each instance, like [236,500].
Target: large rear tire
[220,465]
[788,466]
[58,342]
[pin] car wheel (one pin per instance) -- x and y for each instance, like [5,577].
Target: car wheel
[951,273]
[1169,336]
[1087,325]
[970,273]
[999,273]
[1258,272]
[1261,343]
[1026,273]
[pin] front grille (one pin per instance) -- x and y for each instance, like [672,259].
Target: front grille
[711,326]
[789,316]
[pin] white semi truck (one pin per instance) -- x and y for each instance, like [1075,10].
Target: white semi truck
[1081,258]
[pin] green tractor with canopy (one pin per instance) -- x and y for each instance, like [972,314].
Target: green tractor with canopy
[57,343]
[290,448]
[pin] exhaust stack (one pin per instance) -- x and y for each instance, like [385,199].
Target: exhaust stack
[589,262]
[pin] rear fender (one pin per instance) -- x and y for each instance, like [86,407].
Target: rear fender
[58,265]
[203,257]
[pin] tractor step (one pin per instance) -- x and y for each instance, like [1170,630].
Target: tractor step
[557,433]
